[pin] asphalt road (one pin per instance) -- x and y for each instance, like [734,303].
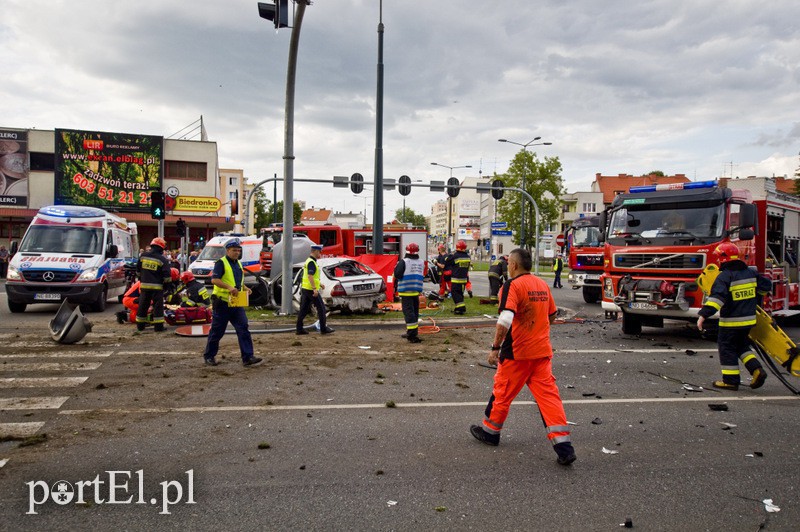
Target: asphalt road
[336,457]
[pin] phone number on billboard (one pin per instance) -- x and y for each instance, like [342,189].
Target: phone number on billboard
[109,194]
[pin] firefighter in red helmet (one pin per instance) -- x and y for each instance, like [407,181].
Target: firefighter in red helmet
[409,274]
[735,295]
[154,272]
[460,262]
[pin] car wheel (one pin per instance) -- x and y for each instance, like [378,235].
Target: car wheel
[100,304]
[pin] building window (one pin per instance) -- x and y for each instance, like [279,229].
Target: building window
[589,207]
[233,181]
[185,170]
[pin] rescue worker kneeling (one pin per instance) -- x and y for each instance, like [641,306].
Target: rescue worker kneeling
[409,274]
[194,305]
[734,294]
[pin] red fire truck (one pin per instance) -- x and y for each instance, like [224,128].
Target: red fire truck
[585,257]
[659,238]
[338,241]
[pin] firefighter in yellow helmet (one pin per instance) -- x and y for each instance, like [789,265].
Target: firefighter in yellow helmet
[735,295]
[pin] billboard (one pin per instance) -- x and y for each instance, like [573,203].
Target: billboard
[114,171]
[13,168]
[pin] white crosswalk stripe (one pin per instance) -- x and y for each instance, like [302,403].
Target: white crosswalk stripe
[23,362]
[48,366]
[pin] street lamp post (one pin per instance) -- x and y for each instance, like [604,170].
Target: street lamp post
[450,201]
[533,142]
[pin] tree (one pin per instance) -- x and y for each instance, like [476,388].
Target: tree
[297,212]
[417,220]
[657,173]
[543,182]
[262,209]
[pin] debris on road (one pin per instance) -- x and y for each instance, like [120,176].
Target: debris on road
[727,426]
[609,451]
[770,507]
[718,407]
[597,421]
[391,503]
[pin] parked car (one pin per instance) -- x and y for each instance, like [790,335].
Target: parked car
[350,286]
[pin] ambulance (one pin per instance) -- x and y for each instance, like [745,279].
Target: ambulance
[203,265]
[71,252]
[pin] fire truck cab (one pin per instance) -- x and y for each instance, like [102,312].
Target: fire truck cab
[585,257]
[659,238]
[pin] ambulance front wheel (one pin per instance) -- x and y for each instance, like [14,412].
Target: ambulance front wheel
[16,308]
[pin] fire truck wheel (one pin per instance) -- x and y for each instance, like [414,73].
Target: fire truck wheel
[591,294]
[631,324]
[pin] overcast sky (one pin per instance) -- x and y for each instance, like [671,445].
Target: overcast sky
[707,88]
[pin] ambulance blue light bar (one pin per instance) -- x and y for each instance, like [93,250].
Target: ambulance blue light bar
[673,186]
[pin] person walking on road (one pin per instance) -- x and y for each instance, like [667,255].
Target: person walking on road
[153,271]
[735,295]
[309,293]
[228,281]
[498,274]
[523,355]
[558,267]
[409,274]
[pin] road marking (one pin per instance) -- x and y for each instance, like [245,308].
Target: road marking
[31,403]
[157,353]
[263,408]
[590,351]
[49,366]
[20,430]
[41,382]
[3,462]
[80,354]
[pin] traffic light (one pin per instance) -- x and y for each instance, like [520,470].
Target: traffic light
[277,12]
[497,189]
[158,209]
[357,183]
[453,187]
[180,228]
[405,185]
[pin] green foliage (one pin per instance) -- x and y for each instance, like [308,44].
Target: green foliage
[418,220]
[658,173]
[262,209]
[297,212]
[543,182]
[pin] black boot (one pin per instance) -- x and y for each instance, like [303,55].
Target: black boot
[565,452]
[486,437]
[122,316]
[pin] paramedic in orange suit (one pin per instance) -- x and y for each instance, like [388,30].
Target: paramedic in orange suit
[523,354]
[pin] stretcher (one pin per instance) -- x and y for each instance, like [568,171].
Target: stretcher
[777,350]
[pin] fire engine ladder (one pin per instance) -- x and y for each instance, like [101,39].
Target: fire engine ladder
[775,348]
[784,311]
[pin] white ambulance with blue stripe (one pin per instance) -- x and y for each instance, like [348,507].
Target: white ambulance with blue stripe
[71,252]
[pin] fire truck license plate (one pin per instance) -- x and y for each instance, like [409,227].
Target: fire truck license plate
[638,305]
[47,297]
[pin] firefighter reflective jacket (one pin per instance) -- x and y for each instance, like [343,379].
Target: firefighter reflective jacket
[153,270]
[195,294]
[409,275]
[734,294]
[499,269]
[460,263]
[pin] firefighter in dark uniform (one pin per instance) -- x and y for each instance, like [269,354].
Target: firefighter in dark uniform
[309,293]
[459,262]
[154,272]
[498,274]
[735,294]
[409,274]
[444,271]
[194,292]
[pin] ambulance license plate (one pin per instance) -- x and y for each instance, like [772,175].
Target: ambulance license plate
[47,297]
[638,305]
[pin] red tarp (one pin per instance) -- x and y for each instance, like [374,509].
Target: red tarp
[384,266]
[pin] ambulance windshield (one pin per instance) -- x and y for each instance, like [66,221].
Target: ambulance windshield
[211,253]
[63,239]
